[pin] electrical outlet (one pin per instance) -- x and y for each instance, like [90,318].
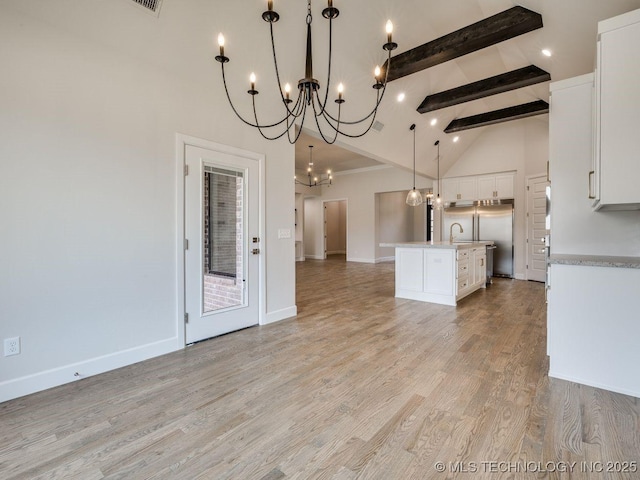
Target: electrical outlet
[11,346]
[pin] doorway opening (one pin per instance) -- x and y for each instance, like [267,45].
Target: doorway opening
[335,229]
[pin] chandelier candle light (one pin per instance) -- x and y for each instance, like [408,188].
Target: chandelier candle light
[309,88]
[313,180]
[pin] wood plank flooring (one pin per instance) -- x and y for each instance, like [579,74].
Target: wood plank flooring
[360,385]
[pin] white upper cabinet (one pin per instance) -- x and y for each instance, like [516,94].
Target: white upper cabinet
[480,187]
[613,182]
[495,186]
[456,189]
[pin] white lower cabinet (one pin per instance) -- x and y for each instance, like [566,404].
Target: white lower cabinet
[440,275]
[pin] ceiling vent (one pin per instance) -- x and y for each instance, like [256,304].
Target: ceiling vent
[150,6]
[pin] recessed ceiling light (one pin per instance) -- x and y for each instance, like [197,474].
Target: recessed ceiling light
[434,121]
[401,97]
[455,139]
[546,52]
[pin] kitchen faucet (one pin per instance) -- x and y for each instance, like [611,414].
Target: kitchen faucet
[451,237]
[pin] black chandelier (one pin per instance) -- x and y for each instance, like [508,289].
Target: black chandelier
[309,88]
[312,179]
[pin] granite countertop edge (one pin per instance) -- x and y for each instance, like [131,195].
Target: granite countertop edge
[595,261]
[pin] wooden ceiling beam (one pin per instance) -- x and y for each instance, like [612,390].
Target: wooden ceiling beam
[495,29]
[538,107]
[505,82]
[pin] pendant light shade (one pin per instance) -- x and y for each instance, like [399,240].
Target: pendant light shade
[437,202]
[414,197]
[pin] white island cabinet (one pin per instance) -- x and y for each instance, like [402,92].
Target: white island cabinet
[439,272]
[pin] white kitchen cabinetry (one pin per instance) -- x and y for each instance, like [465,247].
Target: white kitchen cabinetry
[456,189]
[613,181]
[479,187]
[440,273]
[495,186]
[592,323]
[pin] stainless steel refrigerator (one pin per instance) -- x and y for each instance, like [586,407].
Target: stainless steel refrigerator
[485,220]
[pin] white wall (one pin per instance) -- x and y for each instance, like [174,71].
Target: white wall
[397,222]
[359,189]
[88,183]
[520,146]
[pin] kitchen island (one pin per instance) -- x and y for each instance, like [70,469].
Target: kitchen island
[439,272]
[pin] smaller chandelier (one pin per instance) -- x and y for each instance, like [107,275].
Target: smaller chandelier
[312,179]
[309,92]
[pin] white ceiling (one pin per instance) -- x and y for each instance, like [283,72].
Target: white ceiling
[569,31]
[181,42]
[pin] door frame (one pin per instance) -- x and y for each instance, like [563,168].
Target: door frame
[182,141]
[528,180]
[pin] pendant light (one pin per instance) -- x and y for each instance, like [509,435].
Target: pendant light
[437,204]
[414,198]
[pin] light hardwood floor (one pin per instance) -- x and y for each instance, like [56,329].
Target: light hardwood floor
[358,385]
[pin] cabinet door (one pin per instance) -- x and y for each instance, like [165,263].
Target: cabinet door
[468,188]
[619,115]
[439,276]
[450,189]
[486,187]
[504,186]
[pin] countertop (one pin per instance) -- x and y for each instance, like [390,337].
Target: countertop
[447,245]
[595,261]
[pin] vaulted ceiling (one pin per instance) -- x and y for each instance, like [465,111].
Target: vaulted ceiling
[181,42]
[568,31]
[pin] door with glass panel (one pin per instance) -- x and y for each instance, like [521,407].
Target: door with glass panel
[222,250]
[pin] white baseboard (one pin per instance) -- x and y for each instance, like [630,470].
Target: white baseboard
[314,257]
[520,276]
[361,260]
[385,259]
[625,391]
[37,382]
[282,314]
[300,259]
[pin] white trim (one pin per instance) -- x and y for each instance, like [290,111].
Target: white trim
[26,385]
[604,386]
[361,260]
[314,257]
[182,141]
[392,258]
[361,170]
[281,314]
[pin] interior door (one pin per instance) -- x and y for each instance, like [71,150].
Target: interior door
[222,245]
[536,228]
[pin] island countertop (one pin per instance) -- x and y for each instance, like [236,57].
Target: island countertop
[447,245]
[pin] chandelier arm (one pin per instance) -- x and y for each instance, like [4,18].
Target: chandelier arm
[316,115]
[275,63]
[303,113]
[327,118]
[260,128]
[256,125]
[379,97]
[326,90]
